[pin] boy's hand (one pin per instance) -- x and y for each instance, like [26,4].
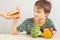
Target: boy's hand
[52,30]
[11,15]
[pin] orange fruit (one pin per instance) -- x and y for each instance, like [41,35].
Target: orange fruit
[47,33]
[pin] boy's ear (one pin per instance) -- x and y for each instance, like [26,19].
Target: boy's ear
[46,14]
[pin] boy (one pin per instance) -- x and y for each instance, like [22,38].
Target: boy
[42,9]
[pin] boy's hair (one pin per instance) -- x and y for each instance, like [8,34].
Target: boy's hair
[46,5]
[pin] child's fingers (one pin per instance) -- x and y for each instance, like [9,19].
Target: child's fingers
[16,16]
[51,29]
[18,8]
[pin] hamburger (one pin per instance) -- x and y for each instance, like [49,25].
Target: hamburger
[14,13]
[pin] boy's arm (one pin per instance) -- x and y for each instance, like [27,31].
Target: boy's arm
[14,28]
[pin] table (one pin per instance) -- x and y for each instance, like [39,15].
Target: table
[23,36]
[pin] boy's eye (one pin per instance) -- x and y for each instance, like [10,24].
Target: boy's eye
[38,12]
[34,10]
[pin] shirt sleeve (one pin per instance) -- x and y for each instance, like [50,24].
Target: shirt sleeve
[51,24]
[22,27]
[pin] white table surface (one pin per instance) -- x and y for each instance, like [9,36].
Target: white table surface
[23,36]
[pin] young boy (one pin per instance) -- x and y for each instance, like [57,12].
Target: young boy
[42,9]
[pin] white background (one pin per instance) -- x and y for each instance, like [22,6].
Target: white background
[26,11]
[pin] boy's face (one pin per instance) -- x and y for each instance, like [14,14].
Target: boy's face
[39,14]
